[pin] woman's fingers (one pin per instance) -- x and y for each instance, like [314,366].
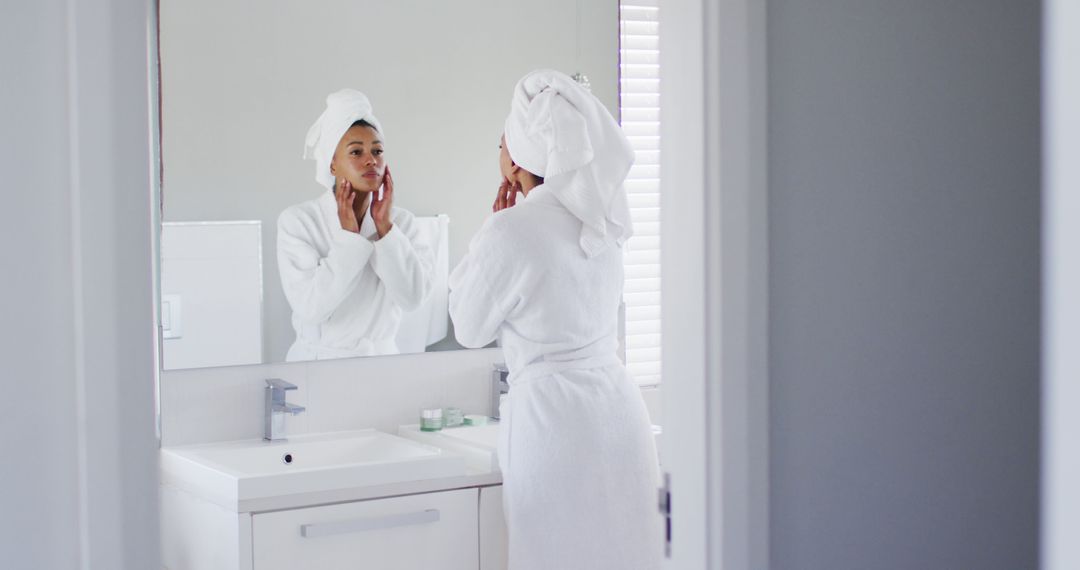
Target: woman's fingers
[345,198]
[388,182]
[350,198]
[501,197]
[511,197]
[507,196]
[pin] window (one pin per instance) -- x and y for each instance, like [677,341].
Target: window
[639,109]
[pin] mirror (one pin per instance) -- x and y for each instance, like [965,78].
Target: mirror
[241,83]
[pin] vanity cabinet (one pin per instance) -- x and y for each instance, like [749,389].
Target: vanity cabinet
[432,530]
[492,529]
[455,529]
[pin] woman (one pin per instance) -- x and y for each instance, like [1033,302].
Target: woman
[350,262]
[544,276]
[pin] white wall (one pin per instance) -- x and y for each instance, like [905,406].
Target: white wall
[904,176]
[243,81]
[79,451]
[1061,305]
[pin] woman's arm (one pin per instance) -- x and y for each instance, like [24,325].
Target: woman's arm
[405,262]
[315,286]
[482,294]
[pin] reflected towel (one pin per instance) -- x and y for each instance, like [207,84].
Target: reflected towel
[428,323]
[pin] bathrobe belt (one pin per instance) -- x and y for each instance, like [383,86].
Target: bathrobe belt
[543,368]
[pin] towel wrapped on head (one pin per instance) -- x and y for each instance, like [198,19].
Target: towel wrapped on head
[343,108]
[559,131]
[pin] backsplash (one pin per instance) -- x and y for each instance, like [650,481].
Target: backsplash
[220,404]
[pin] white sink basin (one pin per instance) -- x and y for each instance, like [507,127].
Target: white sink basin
[231,472]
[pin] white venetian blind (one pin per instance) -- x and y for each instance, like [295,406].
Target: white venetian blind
[639,105]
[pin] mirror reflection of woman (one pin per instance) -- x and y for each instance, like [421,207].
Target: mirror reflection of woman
[350,261]
[544,275]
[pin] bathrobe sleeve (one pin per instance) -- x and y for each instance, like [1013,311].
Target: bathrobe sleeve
[404,262]
[315,285]
[485,288]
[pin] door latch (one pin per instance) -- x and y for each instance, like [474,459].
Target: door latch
[665,511]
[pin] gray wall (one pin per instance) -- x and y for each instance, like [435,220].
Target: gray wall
[904,283]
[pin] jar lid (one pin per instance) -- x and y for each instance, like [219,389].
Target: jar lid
[431,413]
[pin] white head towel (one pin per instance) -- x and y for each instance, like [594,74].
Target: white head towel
[343,108]
[558,130]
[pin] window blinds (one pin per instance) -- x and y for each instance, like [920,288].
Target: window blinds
[639,107]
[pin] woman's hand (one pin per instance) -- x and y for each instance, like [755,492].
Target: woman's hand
[507,196]
[345,196]
[380,207]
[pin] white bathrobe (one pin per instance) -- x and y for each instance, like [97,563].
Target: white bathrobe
[576,450]
[348,290]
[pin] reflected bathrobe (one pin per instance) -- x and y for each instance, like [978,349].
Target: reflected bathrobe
[576,449]
[348,290]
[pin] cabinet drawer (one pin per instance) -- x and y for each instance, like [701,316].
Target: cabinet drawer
[434,530]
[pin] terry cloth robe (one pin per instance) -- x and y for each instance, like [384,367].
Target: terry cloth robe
[348,290]
[578,459]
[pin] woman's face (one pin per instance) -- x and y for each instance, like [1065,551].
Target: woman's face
[359,159]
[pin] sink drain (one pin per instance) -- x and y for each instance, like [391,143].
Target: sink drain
[287,458]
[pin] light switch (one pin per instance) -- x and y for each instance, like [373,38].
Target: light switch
[171,317]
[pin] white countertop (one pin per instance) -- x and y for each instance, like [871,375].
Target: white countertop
[202,471]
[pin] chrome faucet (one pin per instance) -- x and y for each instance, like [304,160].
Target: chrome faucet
[276,407]
[499,386]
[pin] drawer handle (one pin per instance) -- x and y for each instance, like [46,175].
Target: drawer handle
[371,523]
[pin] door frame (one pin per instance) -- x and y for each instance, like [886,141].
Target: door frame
[1061,277]
[715,281]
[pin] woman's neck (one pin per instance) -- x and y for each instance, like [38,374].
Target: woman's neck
[528,182]
[361,207]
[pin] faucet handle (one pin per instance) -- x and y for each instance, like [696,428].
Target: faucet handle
[279,384]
